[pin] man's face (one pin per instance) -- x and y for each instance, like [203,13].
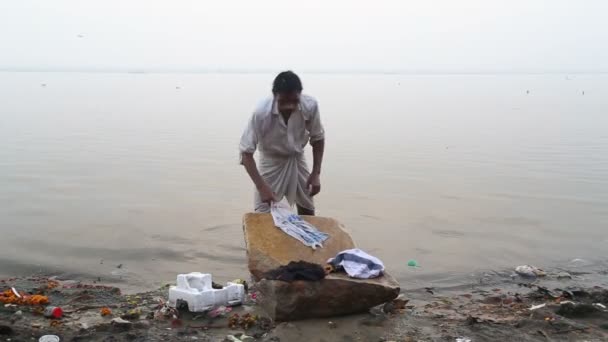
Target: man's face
[287,103]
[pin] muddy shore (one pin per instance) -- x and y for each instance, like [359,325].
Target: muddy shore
[562,306]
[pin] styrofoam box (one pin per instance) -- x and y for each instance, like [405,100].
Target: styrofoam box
[195,289]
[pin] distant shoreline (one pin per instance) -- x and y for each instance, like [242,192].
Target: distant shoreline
[303,71]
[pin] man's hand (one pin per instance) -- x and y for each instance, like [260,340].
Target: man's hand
[267,195]
[313,184]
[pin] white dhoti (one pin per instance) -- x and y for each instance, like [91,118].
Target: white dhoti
[287,176]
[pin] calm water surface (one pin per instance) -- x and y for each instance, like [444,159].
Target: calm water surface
[462,173]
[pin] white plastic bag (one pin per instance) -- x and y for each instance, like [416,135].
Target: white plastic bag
[294,226]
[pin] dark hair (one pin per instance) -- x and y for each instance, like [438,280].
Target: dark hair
[286,82]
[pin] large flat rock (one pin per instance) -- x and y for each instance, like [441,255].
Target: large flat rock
[268,248]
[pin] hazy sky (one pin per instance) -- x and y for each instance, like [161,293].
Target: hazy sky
[469,35]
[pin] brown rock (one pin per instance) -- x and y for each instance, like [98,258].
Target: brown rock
[268,248]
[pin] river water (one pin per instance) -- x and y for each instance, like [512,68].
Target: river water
[463,173]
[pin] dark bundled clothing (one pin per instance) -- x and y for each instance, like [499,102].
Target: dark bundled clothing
[297,270]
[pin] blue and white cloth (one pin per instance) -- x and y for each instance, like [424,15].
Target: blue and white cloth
[294,226]
[358,264]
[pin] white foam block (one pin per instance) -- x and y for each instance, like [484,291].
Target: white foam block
[196,289]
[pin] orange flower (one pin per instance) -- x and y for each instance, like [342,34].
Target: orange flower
[106,312]
[9,297]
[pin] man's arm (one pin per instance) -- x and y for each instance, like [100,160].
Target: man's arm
[314,181]
[318,147]
[266,193]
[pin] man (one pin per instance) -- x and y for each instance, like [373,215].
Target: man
[280,128]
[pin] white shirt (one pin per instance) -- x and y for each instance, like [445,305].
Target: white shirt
[268,132]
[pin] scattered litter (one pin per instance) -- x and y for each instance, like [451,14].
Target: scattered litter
[53,312]
[567,302]
[9,297]
[413,263]
[219,311]
[242,282]
[530,271]
[119,321]
[536,307]
[132,314]
[332,325]
[15,292]
[245,322]
[564,275]
[196,289]
[397,305]
[164,311]
[19,313]
[232,338]
[106,312]
[49,338]
[600,305]
[463,339]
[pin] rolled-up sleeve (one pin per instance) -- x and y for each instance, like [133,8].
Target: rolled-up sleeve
[315,127]
[249,139]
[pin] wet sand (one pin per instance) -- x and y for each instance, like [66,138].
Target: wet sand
[496,308]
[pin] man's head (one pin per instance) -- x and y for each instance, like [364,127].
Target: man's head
[287,88]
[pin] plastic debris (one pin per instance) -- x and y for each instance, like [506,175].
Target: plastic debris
[530,271]
[219,311]
[242,282]
[49,338]
[196,289]
[564,275]
[120,321]
[463,339]
[53,312]
[536,307]
[412,263]
[600,305]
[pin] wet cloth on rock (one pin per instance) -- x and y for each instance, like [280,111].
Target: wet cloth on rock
[294,226]
[297,270]
[358,264]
